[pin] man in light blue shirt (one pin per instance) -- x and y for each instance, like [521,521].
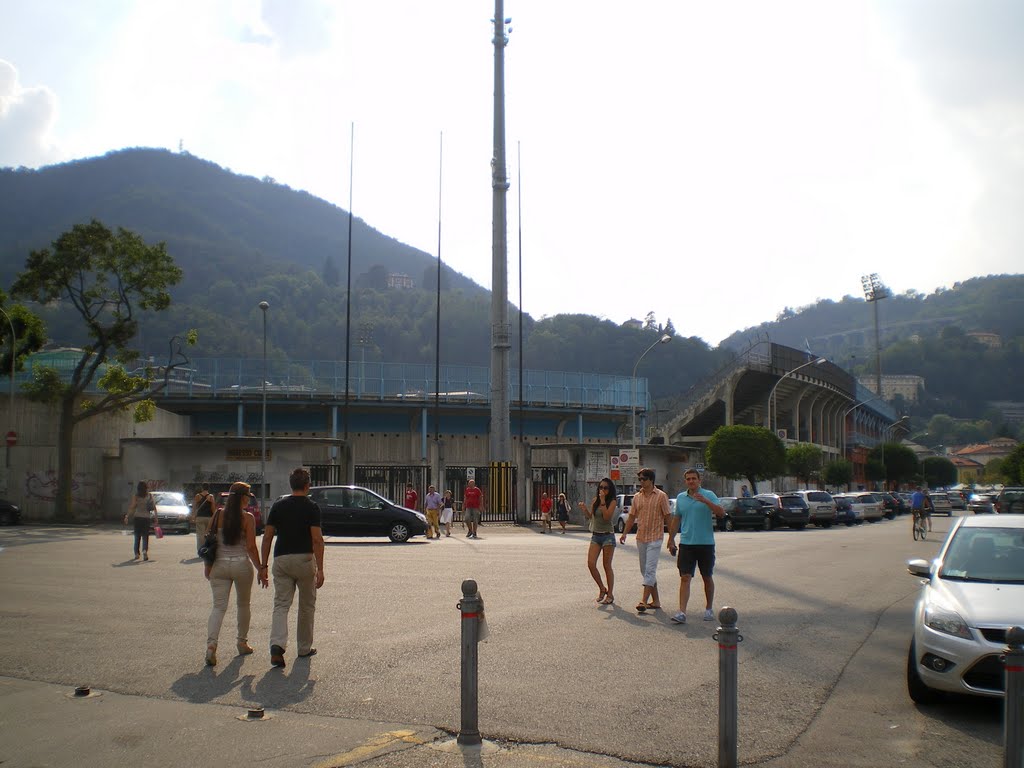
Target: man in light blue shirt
[694,516]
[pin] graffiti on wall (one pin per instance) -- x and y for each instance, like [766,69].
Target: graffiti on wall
[42,486]
[203,476]
[156,485]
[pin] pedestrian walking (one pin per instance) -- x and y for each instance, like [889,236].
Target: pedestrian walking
[237,560]
[203,507]
[545,513]
[298,565]
[694,516]
[142,512]
[447,512]
[472,507]
[411,497]
[744,492]
[601,516]
[651,513]
[432,507]
[562,510]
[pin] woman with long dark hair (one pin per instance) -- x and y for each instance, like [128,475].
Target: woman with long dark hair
[601,515]
[236,557]
[141,511]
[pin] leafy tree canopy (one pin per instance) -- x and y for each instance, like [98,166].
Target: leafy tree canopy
[742,451]
[837,473]
[938,471]
[803,461]
[900,464]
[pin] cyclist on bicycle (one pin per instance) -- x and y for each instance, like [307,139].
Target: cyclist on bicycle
[920,506]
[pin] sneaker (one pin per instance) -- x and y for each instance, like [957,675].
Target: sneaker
[277,656]
[679,618]
[709,615]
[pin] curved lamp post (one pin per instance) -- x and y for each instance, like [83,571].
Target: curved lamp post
[772,409]
[264,306]
[10,410]
[665,338]
[846,413]
[881,447]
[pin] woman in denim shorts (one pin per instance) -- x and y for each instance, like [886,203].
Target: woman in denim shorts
[601,513]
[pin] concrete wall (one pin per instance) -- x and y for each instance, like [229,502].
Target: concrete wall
[29,477]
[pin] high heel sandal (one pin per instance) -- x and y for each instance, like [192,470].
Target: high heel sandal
[244,649]
[608,600]
[601,596]
[211,655]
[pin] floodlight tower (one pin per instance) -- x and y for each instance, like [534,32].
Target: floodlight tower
[874,291]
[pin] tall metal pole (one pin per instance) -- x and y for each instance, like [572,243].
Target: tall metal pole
[519,242]
[664,339]
[878,353]
[348,280]
[438,458]
[10,410]
[263,431]
[500,328]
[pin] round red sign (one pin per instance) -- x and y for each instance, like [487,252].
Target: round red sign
[12,437]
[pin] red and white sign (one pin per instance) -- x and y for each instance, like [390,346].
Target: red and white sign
[12,438]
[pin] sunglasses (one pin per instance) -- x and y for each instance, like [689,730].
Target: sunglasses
[605,487]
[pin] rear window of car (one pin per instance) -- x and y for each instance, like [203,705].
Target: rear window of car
[818,496]
[793,501]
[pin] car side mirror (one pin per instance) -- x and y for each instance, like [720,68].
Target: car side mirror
[921,568]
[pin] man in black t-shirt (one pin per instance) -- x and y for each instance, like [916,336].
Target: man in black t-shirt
[298,564]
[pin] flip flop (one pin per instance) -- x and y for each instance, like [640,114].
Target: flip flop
[642,607]
[608,600]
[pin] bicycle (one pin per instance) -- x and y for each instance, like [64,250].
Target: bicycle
[920,525]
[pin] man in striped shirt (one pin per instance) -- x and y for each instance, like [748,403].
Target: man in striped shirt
[650,512]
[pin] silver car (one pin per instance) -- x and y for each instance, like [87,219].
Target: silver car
[974,592]
[172,511]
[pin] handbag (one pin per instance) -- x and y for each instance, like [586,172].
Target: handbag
[158,531]
[209,549]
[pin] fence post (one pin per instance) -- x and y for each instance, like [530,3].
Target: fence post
[471,607]
[1013,707]
[728,637]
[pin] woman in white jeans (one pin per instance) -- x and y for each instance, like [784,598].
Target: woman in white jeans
[236,557]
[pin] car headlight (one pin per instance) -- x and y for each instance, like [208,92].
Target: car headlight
[944,620]
[422,517]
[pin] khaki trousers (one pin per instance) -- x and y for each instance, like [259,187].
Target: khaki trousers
[433,523]
[224,573]
[293,572]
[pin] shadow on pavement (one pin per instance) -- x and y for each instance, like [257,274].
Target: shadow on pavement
[210,683]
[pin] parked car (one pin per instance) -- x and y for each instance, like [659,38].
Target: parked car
[957,500]
[786,509]
[974,592]
[1010,501]
[821,505]
[253,507]
[889,507]
[172,512]
[623,502]
[940,504]
[865,505]
[982,503]
[902,505]
[845,512]
[350,510]
[10,514]
[744,512]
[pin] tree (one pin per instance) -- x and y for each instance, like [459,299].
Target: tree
[803,461]
[900,463]
[1013,466]
[938,471]
[29,335]
[838,472]
[742,451]
[108,278]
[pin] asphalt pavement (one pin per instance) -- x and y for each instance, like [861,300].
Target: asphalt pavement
[203,718]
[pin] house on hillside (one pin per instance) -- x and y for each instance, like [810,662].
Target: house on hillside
[989,339]
[983,453]
[968,471]
[399,281]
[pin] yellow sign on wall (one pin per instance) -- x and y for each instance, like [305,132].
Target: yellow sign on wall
[245,454]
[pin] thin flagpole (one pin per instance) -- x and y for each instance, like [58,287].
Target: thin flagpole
[437,329]
[519,237]
[348,277]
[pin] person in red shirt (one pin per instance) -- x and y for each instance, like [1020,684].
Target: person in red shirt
[545,513]
[411,497]
[472,502]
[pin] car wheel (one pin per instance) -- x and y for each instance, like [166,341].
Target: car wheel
[826,525]
[399,532]
[849,523]
[768,524]
[798,526]
[6,517]
[919,692]
[730,525]
[619,525]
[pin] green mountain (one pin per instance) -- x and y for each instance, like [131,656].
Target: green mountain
[241,240]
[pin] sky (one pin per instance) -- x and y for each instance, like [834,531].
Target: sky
[712,163]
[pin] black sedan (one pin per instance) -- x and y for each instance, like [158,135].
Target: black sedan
[350,510]
[743,512]
[10,514]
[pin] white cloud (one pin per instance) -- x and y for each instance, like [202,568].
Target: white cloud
[27,116]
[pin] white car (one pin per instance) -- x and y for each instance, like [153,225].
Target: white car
[172,511]
[974,592]
[865,506]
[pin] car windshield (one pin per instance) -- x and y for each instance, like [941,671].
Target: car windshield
[169,499]
[985,554]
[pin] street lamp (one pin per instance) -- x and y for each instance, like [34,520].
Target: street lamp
[10,412]
[772,408]
[847,413]
[874,291]
[263,432]
[665,338]
[881,447]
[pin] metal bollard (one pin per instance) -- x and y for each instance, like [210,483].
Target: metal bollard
[728,636]
[472,607]
[1013,707]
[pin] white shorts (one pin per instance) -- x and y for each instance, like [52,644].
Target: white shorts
[446,515]
[649,553]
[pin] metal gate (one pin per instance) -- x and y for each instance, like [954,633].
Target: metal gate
[455,481]
[390,481]
[549,480]
[325,474]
